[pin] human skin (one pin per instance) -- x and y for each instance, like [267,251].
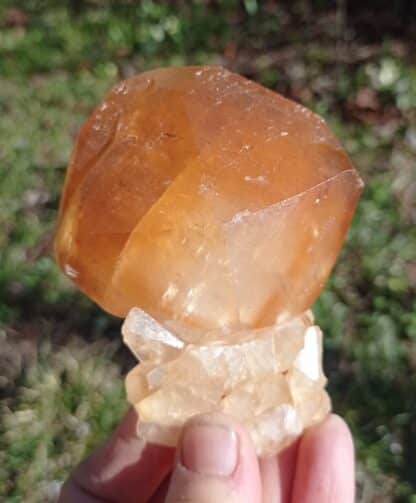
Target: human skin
[214,462]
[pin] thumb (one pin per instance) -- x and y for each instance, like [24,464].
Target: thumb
[216,461]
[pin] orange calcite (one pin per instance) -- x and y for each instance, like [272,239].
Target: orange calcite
[202,197]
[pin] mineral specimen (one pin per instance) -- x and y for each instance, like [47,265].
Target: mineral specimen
[212,210]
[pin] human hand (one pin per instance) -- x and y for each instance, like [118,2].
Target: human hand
[216,462]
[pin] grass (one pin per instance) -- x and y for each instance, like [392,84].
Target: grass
[67,403]
[61,392]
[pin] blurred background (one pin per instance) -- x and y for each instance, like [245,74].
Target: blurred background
[61,361]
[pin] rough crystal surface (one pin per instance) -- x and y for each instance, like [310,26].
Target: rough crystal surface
[202,197]
[270,380]
[210,210]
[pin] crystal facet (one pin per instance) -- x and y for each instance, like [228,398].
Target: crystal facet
[209,211]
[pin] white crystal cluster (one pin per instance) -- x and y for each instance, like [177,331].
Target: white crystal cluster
[270,379]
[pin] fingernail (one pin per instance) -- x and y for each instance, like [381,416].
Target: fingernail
[210,449]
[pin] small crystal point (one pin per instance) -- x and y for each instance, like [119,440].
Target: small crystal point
[147,339]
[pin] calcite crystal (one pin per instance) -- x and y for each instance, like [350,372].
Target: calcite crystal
[269,379]
[211,210]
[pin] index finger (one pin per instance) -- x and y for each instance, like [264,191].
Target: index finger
[325,466]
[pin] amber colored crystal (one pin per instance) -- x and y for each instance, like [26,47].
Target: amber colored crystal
[205,199]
